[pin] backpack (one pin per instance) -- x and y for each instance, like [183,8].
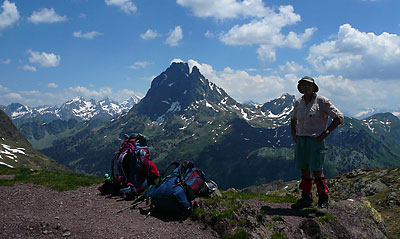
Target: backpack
[176,191]
[136,171]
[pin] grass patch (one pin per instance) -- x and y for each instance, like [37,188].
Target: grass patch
[277,219]
[241,234]
[54,180]
[327,218]
[278,235]
[222,207]
[262,197]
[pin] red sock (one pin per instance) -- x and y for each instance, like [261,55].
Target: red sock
[306,185]
[321,186]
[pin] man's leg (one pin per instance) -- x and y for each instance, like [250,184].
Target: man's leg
[320,182]
[306,190]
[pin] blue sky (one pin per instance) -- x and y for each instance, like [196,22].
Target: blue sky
[51,51]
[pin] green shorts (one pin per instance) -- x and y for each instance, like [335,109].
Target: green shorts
[309,154]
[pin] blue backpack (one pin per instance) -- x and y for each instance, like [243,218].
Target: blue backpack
[176,191]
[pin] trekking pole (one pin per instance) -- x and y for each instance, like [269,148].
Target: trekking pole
[138,201]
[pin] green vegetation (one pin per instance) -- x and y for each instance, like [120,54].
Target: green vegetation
[277,219]
[327,218]
[262,197]
[54,180]
[278,235]
[241,234]
[229,207]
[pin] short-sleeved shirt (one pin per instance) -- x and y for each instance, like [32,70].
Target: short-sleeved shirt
[312,119]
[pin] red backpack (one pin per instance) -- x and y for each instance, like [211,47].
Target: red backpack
[136,171]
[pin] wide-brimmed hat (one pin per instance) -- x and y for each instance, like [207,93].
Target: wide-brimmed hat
[308,79]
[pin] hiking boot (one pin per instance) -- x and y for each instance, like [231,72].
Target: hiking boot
[305,201]
[323,205]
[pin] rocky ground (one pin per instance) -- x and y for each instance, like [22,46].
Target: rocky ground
[30,211]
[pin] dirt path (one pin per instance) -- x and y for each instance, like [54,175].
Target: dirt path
[30,211]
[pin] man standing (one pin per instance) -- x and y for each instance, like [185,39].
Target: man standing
[309,128]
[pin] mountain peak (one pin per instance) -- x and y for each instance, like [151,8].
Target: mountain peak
[195,71]
[175,89]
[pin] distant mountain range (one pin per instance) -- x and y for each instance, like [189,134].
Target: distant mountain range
[78,108]
[371,111]
[187,117]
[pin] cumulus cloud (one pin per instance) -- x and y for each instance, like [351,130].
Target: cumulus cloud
[126,6]
[6,61]
[88,93]
[223,9]
[264,30]
[149,34]
[351,96]
[52,85]
[266,33]
[29,68]
[44,59]
[13,96]
[358,55]
[244,86]
[87,35]
[45,15]
[293,67]
[9,15]
[125,94]
[174,36]
[139,64]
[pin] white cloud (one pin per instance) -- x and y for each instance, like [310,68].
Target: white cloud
[149,34]
[358,55]
[243,86]
[139,64]
[6,61]
[126,6]
[350,96]
[45,15]
[174,36]
[29,68]
[266,33]
[293,67]
[3,89]
[176,60]
[209,34]
[30,92]
[44,59]
[13,96]
[353,96]
[87,93]
[148,78]
[9,15]
[223,9]
[52,85]
[87,35]
[125,94]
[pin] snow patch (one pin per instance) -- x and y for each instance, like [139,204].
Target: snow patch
[7,165]
[17,150]
[175,106]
